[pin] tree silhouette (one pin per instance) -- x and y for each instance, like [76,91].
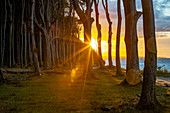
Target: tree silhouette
[148,98]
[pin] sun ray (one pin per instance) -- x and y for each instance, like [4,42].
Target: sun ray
[85,76]
[74,55]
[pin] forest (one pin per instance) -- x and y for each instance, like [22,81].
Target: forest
[45,61]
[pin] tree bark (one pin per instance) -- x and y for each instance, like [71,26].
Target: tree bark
[1,29]
[34,50]
[22,33]
[10,34]
[98,25]
[132,66]
[40,48]
[13,36]
[118,65]
[105,6]
[148,98]
[25,44]
[2,81]
[4,33]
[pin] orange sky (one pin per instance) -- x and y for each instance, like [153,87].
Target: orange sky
[162,19]
[163,43]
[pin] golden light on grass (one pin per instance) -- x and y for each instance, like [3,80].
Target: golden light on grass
[73,74]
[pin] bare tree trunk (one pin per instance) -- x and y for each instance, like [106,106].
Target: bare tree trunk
[1,78]
[34,50]
[10,34]
[39,48]
[148,98]
[4,32]
[46,52]
[105,6]
[22,35]
[29,45]
[110,44]
[118,65]
[98,25]
[1,30]
[132,69]
[25,44]
[13,37]
[18,43]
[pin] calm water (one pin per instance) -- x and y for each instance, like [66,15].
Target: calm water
[161,62]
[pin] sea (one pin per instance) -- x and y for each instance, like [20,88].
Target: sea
[164,63]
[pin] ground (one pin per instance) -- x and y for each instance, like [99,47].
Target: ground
[55,92]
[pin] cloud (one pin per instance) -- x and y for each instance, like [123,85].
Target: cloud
[162,14]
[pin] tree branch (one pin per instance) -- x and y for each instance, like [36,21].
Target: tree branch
[79,11]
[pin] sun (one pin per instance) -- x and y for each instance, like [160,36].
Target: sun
[93,43]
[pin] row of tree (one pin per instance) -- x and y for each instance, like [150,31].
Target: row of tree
[148,98]
[42,33]
[45,33]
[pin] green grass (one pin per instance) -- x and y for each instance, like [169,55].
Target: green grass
[54,93]
[163,73]
[160,73]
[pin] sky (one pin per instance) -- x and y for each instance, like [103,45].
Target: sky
[162,22]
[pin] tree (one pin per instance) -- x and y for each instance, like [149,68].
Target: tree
[118,65]
[10,6]
[1,77]
[131,40]
[47,17]
[148,98]
[87,21]
[33,46]
[3,30]
[98,25]
[105,6]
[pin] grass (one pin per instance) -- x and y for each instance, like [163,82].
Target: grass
[163,73]
[160,73]
[61,93]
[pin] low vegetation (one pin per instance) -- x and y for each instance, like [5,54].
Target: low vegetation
[163,73]
[54,92]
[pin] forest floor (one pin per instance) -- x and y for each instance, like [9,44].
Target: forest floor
[55,92]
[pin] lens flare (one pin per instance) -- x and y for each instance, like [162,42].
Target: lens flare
[93,44]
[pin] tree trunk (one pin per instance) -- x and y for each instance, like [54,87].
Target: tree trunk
[132,68]
[118,65]
[34,50]
[96,2]
[148,97]
[10,34]
[1,29]
[4,33]
[40,47]
[13,37]
[105,6]
[29,45]
[25,44]
[46,52]
[1,77]
[22,34]
[110,44]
